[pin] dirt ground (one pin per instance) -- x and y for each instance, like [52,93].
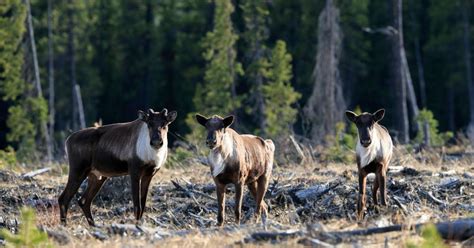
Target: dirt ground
[310,198]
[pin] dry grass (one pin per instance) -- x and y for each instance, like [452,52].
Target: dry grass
[169,211]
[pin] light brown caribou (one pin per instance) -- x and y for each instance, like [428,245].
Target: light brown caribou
[240,160]
[373,152]
[138,148]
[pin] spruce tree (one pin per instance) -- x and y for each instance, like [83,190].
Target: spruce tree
[217,94]
[278,93]
[255,15]
[25,112]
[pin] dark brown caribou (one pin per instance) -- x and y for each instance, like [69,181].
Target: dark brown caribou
[373,153]
[240,160]
[138,148]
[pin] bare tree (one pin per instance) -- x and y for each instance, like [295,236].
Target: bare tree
[323,109]
[398,77]
[401,73]
[411,96]
[39,92]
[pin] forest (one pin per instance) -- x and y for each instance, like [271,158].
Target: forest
[287,71]
[290,67]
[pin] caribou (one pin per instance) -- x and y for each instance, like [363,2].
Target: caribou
[373,153]
[238,159]
[138,148]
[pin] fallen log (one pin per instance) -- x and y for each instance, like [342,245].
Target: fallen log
[190,192]
[298,149]
[277,235]
[457,230]
[399,203]
[431,197]
[32,174]
[313,242]
[60,237]
[315,191]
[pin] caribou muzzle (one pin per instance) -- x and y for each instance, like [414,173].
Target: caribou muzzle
[365,142]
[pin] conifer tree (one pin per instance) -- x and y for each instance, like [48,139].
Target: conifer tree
[255,15]
[278,93]
[217,94]
[26,112]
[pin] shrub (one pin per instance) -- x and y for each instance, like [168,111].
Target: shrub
[431,238]
[342,142]
[178,157]
[8,158]
[436,138]
[28,234]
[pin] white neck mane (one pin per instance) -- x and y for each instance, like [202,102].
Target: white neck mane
[218,157]
[146,152]
[370,153]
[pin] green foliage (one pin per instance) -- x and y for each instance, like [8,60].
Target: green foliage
[255,17]
[25,112]
[431,238]
[12,28]
[135,54]
[354,17]
[24,122]
[296,23]
[8,158]
[437,138]
[179,157]
[215,94]
[28,234]
[341,144]
[278,93]
[197,135]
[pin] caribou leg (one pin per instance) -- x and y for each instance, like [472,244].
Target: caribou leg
[76,177]
[93,186]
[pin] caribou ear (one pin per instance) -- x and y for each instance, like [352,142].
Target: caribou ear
[150,111]
[379,114]
[228,120]
[201,119]
[142,115]
[171,116]
[351,116]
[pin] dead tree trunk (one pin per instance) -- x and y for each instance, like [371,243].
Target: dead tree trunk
[323,109]
[421,81]
[52,109]
[398,79]
[39,92]
[421,77]
[467,60]
[410,93]
[80,107]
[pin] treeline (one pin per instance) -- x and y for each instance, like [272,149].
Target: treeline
[281,66]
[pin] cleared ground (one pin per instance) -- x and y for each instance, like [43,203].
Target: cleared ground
[310,198]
